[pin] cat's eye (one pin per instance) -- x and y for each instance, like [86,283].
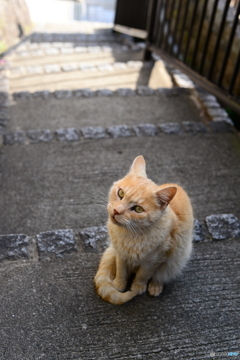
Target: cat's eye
[120,193]
[138,209]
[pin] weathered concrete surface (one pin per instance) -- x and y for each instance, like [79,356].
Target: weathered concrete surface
[50,186]
[104,111]
[82,79]
[53,312]
[90,57]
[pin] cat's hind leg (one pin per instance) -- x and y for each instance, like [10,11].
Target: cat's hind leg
[164,273]
[154,287]
[159,278]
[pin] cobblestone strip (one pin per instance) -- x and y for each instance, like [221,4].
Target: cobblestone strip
[116,131]
[14,247]
[209,102]
[94,239]
[122,92]
[60,243]
[56,243]
[223,226]
[72,37]
[214,110]
[74,66]
[65,48]
[58,39]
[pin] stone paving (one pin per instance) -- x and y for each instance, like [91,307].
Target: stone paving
[73,60]
[55,168]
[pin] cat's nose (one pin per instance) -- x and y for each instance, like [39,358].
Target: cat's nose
[115,212]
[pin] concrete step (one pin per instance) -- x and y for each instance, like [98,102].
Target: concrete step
[110,76]
[60,152]
[73,109]
[52,185]
[36,66]
[22,63]
[51,311]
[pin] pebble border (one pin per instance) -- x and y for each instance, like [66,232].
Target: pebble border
[18,137]
[87,93]
[39,37]
[60,243]
[65,48]
[83,66]
[73,134]
[208,102]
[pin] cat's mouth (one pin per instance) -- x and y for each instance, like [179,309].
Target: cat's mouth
[115,221]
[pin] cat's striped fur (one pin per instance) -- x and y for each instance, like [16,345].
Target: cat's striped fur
[150,229]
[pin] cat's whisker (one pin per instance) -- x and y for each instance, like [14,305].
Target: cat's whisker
[100,196]
[133,230]
[138,230]
[101,199]
[109,207]
[99,202]
[104,195]
[128,224]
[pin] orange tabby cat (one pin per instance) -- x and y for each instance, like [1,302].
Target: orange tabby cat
[150,229]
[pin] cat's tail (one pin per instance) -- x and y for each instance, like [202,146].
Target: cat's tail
[103,280]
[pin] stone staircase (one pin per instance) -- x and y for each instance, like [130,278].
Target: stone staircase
[66,136]
[70,65]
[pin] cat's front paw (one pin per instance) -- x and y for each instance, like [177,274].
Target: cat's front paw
[139,288]
[118,285]
[155,289]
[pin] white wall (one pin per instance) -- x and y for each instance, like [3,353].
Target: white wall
[59,11]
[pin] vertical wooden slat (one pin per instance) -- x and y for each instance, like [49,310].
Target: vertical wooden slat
[190,30]
[229,45]
[209,32]
[176,24]
[183,27]
[199,32]
[234,75]
[215,52]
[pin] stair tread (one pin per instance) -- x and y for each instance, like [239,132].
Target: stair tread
[104,111]
[88,57]
[50,185]
[55,302]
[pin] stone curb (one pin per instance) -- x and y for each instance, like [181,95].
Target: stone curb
[67,48]
[209,102]
[191,128]
[72,37]
[73,66]
[61,243]
[223,226]
[86,93]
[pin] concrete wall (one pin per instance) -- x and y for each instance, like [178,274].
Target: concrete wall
[14,22]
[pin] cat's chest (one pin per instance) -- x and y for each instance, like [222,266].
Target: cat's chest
[133,250]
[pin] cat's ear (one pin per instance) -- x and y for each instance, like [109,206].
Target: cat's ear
[165,195]
[138,167]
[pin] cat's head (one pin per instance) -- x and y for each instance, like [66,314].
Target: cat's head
[135,200]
